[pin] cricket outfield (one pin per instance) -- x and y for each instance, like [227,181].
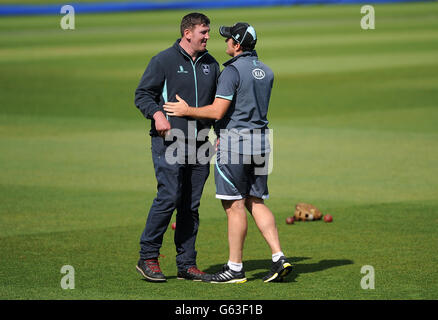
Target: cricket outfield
[354,114]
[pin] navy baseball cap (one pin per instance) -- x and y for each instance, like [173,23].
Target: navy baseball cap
[241,32]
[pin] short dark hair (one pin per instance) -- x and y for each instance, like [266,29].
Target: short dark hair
[244,48]
[192,19]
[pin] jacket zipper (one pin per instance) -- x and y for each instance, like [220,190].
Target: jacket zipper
[196,82]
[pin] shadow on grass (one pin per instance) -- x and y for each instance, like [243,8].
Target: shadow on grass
[298,268]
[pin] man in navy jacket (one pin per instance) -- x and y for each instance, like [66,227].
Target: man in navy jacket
[188,69]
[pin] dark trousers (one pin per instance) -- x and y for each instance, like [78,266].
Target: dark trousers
[179,186]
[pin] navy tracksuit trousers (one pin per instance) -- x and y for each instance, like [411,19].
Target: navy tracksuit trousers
[179,186]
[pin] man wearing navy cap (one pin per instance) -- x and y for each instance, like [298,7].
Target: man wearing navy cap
[240,108]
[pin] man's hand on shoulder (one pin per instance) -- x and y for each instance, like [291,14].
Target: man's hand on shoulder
[162,125]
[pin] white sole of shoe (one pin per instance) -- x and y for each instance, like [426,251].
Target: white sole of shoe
[231,281]
[149,278]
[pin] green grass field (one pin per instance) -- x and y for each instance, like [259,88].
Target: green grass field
[355,120]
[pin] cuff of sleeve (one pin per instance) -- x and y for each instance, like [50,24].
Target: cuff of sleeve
[225,97]
[152,111]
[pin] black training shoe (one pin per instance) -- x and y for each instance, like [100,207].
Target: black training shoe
[150,269]
[192,273]
[226,276]
[279,270]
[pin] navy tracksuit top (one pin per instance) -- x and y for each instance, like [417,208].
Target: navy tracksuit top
[172,72]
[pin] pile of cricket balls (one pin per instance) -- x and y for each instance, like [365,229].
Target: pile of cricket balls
[327,218]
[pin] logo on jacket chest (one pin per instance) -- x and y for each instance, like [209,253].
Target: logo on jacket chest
[206,69]
[181,70]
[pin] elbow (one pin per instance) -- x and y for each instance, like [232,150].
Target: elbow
[137,97]
[219,115]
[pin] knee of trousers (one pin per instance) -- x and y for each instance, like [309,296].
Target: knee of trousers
[167,201]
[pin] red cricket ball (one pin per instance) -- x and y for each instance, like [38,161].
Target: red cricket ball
[328,218]
[174,225]
[290,220]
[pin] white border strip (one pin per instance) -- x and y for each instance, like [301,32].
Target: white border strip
[224,197]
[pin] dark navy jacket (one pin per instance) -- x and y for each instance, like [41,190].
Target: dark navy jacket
[172,72]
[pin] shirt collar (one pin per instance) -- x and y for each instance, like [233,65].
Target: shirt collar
[243,54]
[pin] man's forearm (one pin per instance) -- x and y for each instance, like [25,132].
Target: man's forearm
[207,112]
[213,111]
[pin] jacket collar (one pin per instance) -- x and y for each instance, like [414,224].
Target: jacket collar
[183,52]
[243,54]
